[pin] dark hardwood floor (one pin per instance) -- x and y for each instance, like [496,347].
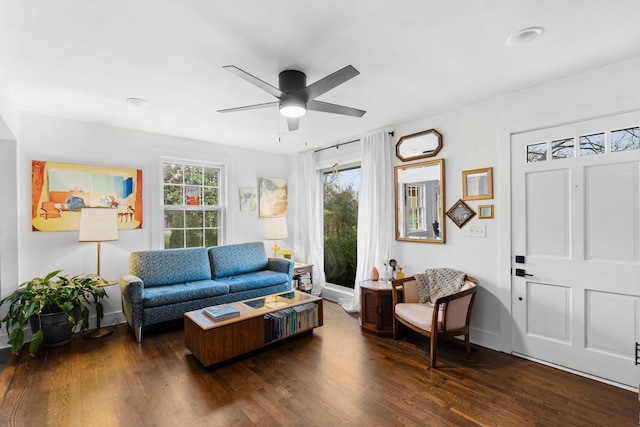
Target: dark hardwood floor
[337,376]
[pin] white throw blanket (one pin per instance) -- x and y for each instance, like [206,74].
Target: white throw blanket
[438,282]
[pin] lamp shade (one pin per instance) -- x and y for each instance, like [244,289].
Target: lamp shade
[98,225]
[276,228]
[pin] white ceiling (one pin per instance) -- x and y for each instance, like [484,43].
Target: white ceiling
[82,58]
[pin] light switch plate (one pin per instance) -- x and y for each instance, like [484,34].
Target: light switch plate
[477,230]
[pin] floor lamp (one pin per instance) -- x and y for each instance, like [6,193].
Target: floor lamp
[276,229]
[98,225]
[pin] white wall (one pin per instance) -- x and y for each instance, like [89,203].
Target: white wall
[56,139]
[475,137]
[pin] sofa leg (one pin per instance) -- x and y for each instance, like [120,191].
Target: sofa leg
[138,333]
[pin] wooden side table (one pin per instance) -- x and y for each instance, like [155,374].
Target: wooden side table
[376,312]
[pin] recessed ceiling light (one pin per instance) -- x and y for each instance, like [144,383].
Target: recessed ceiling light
[138,102]
[526,35]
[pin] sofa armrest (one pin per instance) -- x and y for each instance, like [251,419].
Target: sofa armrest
[281,265]
[132,288]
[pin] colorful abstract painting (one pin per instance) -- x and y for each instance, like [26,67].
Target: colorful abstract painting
[60,190]
[273,197]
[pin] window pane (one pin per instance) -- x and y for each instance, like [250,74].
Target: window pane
[211,177]
[193,219]
[172,173]
[562,148]
[210,237]
[173,195]
[537,152]
[194,238]
[192,193]
[211,219]
[592,144]
[625,139]
[173,219]
[197,217]
[193,175]
[340,226]
[173,239]
[210,196]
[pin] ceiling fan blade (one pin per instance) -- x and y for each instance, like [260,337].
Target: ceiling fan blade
[325,107]
[327,83]
[293,123]
[254,81]
[249,107]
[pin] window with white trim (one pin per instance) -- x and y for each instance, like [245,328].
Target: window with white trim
[192,204]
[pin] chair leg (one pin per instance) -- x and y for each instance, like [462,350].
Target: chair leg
[138,333]
[466,340]
[434,345]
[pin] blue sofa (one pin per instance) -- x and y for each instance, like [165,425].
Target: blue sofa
[165,284]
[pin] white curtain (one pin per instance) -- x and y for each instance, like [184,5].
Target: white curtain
[375,211]
[308,241]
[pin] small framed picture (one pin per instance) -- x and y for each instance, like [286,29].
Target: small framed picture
[248,199]
[460,213]
[485,211]
[477,184]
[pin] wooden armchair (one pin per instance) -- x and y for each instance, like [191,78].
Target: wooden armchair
[451,313]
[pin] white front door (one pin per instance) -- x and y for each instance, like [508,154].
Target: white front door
[575,218]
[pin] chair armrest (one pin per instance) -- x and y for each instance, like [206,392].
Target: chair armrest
[397,293]
[281,265]
[456,308]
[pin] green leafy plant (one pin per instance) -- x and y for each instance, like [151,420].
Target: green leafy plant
[54,293]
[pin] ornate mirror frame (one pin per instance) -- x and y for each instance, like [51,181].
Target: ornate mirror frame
[419,145]
[420,201]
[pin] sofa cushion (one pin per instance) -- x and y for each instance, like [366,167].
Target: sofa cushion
[174,293]
[231,260]
[255,280]
[169,266]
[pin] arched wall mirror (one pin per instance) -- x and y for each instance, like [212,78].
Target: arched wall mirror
[419,189]
[419,145]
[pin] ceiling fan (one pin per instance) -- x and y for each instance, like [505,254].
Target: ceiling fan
[295,97]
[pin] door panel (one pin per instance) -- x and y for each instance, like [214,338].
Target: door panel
[575,217]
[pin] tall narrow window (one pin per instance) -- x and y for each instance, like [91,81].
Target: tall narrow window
[193,212]
[341,188]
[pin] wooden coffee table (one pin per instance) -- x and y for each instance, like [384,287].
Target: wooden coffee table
[262,322]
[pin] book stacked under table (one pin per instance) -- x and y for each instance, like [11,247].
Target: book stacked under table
[290,321]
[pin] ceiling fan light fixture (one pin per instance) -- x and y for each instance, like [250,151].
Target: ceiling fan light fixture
[293,108]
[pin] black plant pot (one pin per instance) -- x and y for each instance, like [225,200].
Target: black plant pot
[56,329]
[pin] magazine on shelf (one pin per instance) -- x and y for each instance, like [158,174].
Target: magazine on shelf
[221,312]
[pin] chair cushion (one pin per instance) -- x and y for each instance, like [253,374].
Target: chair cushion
[418,315]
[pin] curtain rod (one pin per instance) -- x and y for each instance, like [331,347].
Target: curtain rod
[342,143]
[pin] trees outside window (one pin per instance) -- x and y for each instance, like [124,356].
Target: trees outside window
[193,211]
[341,189]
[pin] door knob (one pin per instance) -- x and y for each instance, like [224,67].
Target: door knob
[521,273]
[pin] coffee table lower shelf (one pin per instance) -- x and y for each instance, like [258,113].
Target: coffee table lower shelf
[214,342]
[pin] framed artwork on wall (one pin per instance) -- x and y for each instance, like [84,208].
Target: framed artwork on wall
[460,213]
[485,211]
[248,199]
[60,190]
[273,196]
[477,184]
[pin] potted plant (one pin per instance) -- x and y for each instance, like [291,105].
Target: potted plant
[53,305]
